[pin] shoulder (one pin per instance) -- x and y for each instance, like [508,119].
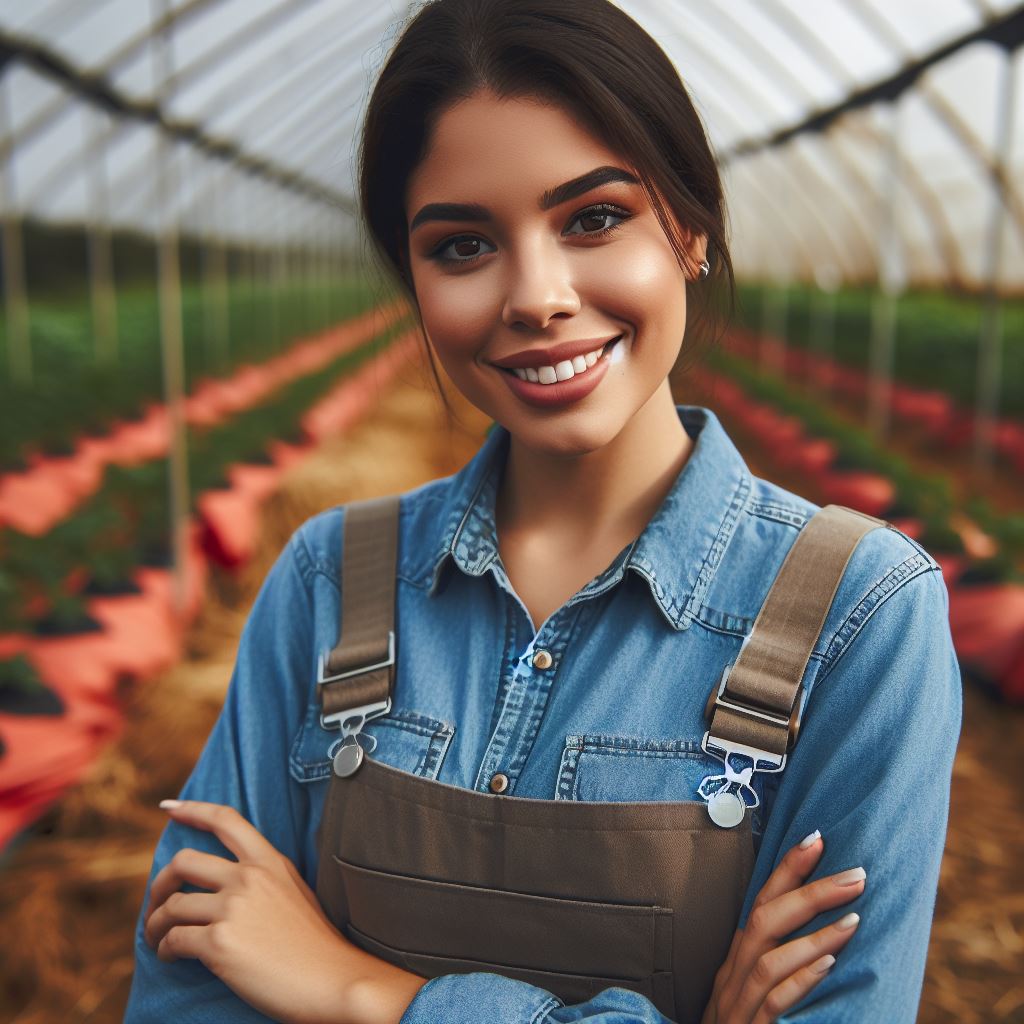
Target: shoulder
[885,561]
[317,544]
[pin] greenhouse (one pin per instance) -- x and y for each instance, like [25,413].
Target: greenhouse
[201,349]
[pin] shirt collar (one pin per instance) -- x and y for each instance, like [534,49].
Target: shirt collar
[678,551]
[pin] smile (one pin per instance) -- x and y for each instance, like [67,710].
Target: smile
[565,370]
[564,390]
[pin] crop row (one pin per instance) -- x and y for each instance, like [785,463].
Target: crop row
[936,342]
[76,390]
[61,696]
[126,522]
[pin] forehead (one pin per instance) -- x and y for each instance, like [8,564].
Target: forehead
[484,148]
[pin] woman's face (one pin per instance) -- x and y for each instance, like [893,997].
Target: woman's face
[509,257]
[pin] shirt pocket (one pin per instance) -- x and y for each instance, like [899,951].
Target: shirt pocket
[602,767]
[405,739]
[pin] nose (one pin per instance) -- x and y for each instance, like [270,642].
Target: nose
[540,287]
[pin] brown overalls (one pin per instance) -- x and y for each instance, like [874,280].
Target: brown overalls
[572,896]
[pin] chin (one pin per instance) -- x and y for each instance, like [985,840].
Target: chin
[568,438]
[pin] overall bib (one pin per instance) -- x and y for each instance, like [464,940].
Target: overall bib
[572,896]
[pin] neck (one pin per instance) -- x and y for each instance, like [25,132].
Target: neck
[609,493]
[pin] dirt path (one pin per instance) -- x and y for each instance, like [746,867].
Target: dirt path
[70,892]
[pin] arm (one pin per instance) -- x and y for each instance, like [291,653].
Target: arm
[243,765]
[872,771]
[230,930]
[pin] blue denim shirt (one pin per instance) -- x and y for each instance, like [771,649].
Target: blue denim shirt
[618,715]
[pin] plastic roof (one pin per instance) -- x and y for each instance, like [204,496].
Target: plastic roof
[860,139]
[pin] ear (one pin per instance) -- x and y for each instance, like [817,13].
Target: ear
[697,252]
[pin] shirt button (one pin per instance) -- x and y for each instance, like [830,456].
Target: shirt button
[542,659]
[499,782]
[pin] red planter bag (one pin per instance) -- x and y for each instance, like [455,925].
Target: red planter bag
[865,492]
[33,502]
[144,639]
[987,623]
[46,754]
[813,457]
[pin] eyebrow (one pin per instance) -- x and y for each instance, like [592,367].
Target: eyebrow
[551,197]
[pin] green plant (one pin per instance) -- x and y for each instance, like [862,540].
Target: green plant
[23,692]
[127,522]
[936,340]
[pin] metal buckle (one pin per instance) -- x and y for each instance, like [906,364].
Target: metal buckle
[365,711]
[729,794]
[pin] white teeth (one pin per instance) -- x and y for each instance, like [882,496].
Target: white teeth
[565,370]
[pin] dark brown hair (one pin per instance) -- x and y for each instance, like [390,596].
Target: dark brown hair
[587,56]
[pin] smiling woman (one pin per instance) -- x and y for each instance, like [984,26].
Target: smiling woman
[611,729]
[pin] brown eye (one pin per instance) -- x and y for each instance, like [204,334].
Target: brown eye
[594,221]
[461,249]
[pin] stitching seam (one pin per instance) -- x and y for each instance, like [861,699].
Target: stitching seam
[854,623]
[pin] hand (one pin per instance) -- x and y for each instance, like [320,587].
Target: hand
[261,930]
[760,979]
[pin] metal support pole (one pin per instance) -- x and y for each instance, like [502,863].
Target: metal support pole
[823,325]
[19,343]
[322,275]
[991,341]
[215,301]
[101,262]
[171,340]
[890,281]
[773,341]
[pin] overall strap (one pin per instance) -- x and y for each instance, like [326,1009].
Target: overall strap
[756,704]
[358,675]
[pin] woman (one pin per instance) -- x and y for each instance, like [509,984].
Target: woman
[536,175]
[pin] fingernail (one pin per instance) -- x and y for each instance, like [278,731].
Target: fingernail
[846,923]
[168,804]
[808,840]
[823,963]
[851,876]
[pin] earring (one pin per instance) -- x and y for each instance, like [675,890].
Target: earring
[705,268]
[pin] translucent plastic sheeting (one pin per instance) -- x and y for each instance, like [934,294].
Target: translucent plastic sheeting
[277,89]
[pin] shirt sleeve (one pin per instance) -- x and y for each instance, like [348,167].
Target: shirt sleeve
[872,772]
[243,764]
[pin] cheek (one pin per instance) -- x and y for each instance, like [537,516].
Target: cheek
[644,283]
[457,313]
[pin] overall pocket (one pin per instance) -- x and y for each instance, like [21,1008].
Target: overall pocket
[571,947]
[405,739]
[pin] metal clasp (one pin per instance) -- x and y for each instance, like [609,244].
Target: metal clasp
[358,715]
[729,794]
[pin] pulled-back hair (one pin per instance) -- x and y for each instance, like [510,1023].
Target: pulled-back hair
[588,57]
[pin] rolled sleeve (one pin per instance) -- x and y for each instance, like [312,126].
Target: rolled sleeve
[242,765]
[872,771]
[481,997]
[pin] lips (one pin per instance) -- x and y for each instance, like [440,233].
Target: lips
[538,357]
[561,393]
[564,369]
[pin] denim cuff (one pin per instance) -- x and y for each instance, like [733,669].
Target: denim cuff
[479,996]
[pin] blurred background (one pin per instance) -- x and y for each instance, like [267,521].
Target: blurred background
[196,354]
